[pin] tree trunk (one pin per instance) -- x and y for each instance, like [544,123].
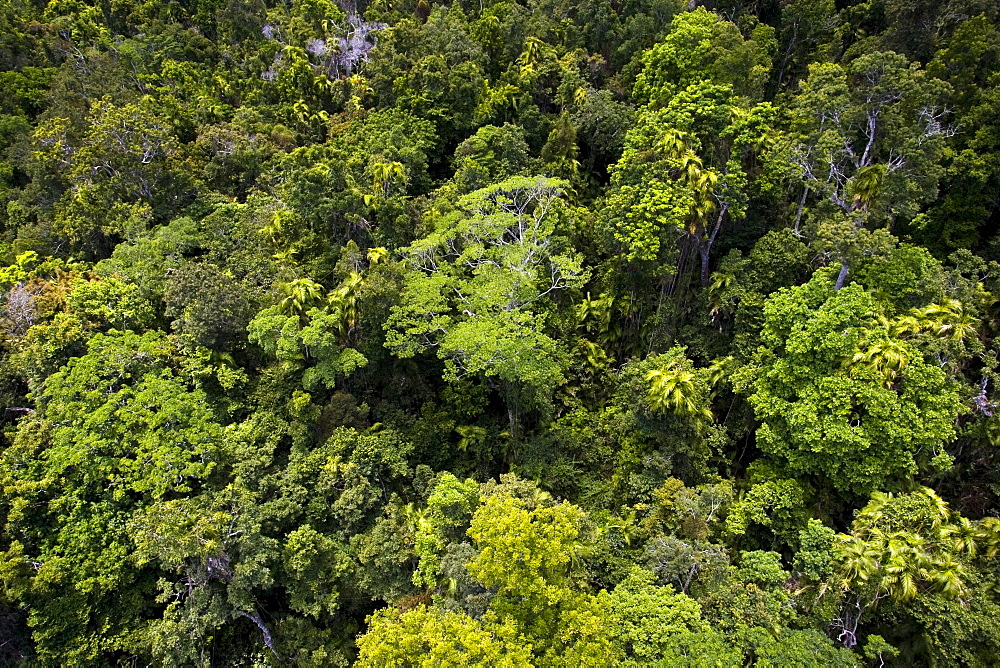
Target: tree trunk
[842,276]
[706,246]
[509,393]
[266,632]
[798,215]
[704,265]
[681,260]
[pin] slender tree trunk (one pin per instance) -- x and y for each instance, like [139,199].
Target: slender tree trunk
[666,289]
[798,215]
[266,632]
[842,276]
[788,53]
[511,398]
[706,246]
[704,265]
[683,262]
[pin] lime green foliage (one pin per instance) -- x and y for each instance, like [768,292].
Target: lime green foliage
[449,508]
[428,637]
[20,270]
[531,565]
[673,389]
[702,46]
[110,303]
[650,621]
[902,545]
[771,501]
[530,556]
[839,398]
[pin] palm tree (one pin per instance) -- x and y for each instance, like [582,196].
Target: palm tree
[859,559]
[721,282]
[675,389]
[535,51]
[887,358]
[865,186]
[416,519]
[377,255]
[702,184]
[384,174]
[595,316]
[949,321]
[344,302]
[963,536]
[673,144]
[989,535]
[300,295]
[905,325]
[718,371]
[897,562]
[948,578]
[904,559]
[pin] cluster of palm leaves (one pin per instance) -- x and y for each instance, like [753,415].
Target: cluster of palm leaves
[690,171]
[896,553]
[675,389]
[888,359]
[947,321]
[303,294]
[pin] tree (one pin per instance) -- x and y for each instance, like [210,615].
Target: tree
[683,174]
[968,61]
[449,509]
[110,303]
[674,389]
[118,172]
[209,308]
[273,557]
[308,329]
[839,399]
[527,554]
[478,289]
[905,549]
[117,430]
[806,35]
[701,46]
[653,624]
[492,155]
[431,637]
[353,186]
[302,364]
[867,138]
